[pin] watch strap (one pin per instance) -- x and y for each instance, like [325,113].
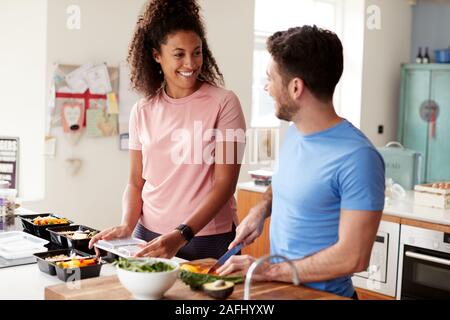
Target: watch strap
[186,232]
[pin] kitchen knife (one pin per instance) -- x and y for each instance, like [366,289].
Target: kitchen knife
[225,257]
[236,249]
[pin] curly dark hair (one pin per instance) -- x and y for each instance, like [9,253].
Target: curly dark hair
[161,18]
[310,53]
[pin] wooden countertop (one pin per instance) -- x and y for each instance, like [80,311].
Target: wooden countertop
[109,288]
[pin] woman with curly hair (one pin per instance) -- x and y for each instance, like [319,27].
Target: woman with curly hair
[186,139]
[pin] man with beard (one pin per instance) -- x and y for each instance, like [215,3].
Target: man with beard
[327,193]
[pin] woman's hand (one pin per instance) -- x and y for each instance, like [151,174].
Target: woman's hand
[122,231]
[165,246]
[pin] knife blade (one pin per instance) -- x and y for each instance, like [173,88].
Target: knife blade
[225,257]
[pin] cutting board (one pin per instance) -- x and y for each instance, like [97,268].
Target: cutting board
[109,288]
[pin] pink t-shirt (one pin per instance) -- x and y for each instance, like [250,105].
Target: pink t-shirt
[177,139]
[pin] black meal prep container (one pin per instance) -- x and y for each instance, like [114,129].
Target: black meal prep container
[40,231]
[73,274]
[49,266]
[64,241]
[107,256]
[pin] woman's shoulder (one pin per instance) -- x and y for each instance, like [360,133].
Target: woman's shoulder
[219,93]
[146,102]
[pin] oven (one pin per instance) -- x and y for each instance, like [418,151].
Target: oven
[381,275]
[424,264]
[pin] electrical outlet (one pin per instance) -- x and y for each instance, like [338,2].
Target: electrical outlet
[380,129]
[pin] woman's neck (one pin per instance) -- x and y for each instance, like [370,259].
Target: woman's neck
[178,93]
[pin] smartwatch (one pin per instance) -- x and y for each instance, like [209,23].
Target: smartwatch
[186,232]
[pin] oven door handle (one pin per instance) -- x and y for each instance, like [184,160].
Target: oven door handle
[425,257]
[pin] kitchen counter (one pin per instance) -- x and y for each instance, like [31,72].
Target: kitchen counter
[405,208]
[402,208]
[109,288]
[28,283]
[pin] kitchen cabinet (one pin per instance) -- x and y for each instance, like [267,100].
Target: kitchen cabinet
[425,116]
[245,201]
[364,294]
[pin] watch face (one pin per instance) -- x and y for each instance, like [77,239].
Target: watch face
[185,231]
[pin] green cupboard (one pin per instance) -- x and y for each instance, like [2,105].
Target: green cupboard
[424,119]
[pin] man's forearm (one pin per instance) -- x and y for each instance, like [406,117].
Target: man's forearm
[330,263]
[267,201]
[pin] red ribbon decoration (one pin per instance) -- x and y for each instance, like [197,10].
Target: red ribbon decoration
[433,123]
[87,96]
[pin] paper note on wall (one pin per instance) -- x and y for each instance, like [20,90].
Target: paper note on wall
[111,103]
[50,146]
[100,124]
[76,79]
[97,78]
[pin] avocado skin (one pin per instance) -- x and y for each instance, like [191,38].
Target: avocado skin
[197,280]
[219,293]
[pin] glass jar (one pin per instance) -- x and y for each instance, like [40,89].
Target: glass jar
[7,208]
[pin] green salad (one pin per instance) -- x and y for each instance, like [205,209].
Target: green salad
[144,265]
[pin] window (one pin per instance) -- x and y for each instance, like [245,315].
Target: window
[272,16]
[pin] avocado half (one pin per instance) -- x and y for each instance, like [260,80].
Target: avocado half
[197,280]
[219,289]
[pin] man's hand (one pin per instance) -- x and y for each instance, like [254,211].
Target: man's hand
[165,246]
[240,264]
[251,227]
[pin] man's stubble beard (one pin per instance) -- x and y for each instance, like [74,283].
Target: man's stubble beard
[287,108]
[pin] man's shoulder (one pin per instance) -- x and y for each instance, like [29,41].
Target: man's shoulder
[354,141]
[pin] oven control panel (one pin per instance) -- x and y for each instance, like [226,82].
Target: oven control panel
[429,239]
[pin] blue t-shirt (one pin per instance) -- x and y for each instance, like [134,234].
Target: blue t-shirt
[317,176]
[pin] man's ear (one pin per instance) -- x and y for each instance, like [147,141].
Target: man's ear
[156,55]
[296,87]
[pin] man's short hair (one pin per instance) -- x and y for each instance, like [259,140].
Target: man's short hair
[312,54]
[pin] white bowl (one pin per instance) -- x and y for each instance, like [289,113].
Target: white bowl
[149,285]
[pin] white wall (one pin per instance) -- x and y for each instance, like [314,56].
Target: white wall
[23,32]
[384,51]
[92,197]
